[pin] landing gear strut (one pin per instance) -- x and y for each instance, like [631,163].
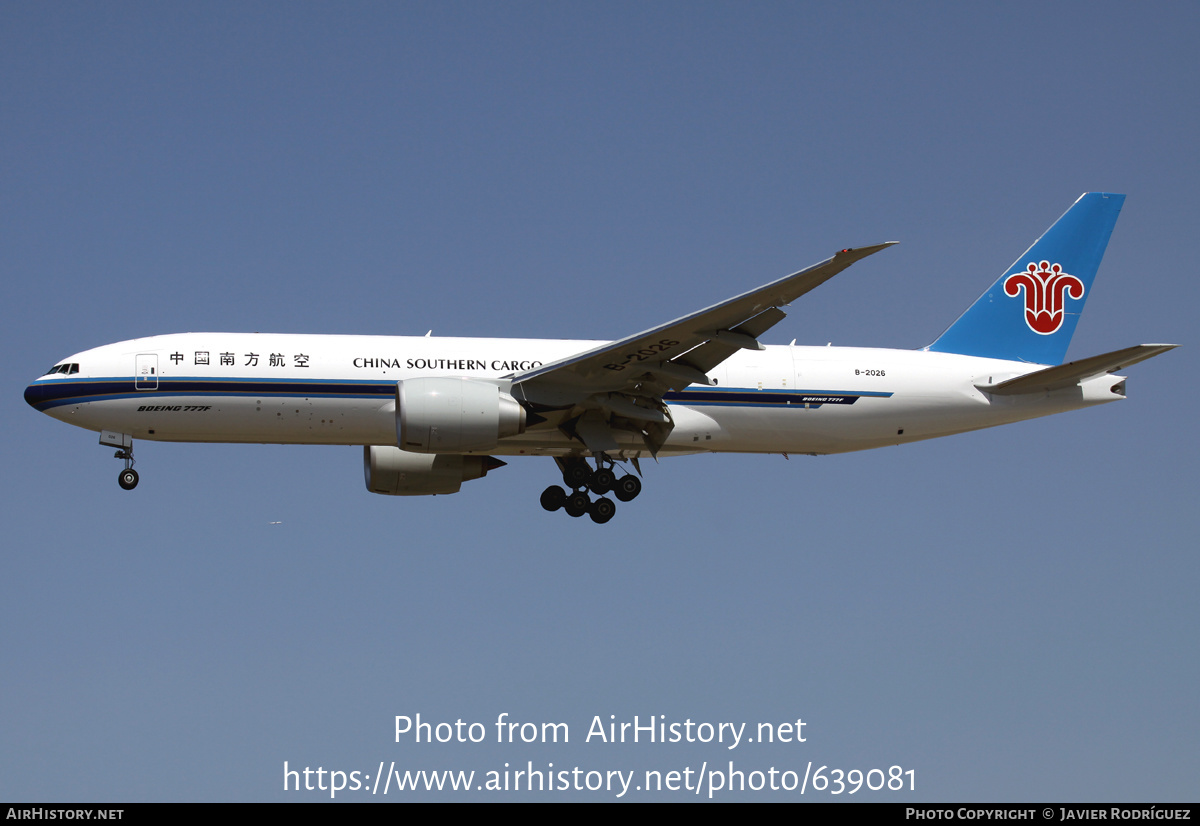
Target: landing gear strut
[578,476]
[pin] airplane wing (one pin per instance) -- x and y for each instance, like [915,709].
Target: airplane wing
[620,385]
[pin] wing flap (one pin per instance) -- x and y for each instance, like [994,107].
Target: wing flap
[714,351]
[593,431]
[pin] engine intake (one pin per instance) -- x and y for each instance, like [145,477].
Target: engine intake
[454,415]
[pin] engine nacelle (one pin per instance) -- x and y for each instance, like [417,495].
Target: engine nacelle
[454,415]
[395,472]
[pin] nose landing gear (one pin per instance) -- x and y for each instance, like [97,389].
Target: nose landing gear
[578,476]
[127,478]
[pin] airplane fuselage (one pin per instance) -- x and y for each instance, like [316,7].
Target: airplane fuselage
[341,390]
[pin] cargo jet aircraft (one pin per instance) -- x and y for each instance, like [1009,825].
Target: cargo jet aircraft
[432,413]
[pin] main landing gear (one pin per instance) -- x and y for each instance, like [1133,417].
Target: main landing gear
[578,476]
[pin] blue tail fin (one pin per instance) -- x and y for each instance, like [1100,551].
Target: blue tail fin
[1030,313]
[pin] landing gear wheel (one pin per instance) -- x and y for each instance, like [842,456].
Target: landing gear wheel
[602,510]
[553,498]
[127,479]
[603,481]
[577,504]
[628,487]
[577,474]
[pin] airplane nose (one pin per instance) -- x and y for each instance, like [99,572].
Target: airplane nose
[38,393]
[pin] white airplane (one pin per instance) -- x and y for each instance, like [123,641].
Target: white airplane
[432,413]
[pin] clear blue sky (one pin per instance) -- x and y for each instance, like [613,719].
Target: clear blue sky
[1010,613]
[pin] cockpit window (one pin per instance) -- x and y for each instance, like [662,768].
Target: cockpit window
[65,369]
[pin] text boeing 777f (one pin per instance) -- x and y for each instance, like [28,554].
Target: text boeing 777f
[435,412]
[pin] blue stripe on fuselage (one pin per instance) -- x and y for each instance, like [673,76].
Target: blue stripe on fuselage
[742,397]
[44,395]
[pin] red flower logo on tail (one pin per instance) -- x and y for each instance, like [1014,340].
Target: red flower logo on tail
[1045,285]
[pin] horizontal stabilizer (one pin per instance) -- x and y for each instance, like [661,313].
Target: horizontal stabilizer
[1067,375]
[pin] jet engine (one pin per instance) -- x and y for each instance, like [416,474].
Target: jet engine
[397,472]
[454,415]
